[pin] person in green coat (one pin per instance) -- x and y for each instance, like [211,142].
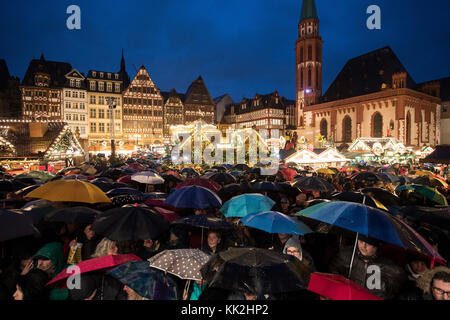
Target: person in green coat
[197,290]
[50,258]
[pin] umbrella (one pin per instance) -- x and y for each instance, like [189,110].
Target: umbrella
[130,223]
[169,215]
[23,192]
[147,177]
[174,173]
[129,171]
[422,173]
[287,174]
[155,195]
[103,185]
[42,175]
[170,177]
[201,182]
[428,192]
[234,189]
[366,176]
[372,223]
[242,205]
[70,191]
[358,197]
[183,263]
[241,167]
[137,166]
[194,197]
[15,224]
[438,217]
[221,177]
[123,191]
[275,222]
[120,201]
[10,186]
[263,186]
[385,197]
[389,177]
[326,171]
[80,215]
[337,287]
[189,172]
[313,183]
[148,282]
[204,222]
[124,179]
[75,177]
[258,270]
[430,181]
[106,262]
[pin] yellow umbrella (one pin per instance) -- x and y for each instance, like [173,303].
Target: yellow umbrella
[70,191]
[423,173]
[325,171]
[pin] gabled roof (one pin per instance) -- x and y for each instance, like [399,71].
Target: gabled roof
[366,74]
[444,87]
[198,93]
[75,74]
[172,93]
[265,101]
[56,71]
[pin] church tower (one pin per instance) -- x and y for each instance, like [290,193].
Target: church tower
[308,60]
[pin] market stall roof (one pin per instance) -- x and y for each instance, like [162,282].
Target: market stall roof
[372,144]
[440,155]
[306,156]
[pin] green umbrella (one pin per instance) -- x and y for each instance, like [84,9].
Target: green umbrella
[42,175]
[428,192]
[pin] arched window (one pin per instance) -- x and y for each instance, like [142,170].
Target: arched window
[377,121]
[347,129]
[309,77]
[324,128]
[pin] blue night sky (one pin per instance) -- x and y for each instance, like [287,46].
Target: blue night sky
[239,47]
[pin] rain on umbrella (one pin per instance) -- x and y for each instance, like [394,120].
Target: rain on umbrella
[313,183]
[201,182]
[242,205]
[80,215]
[147,177]
[428,192]
[15,224]
[258,270]
[130,223]
[194,197]
[275,222]
[385,197]
[372,223]
[95,264]
[337,287]
[70,191]
[148,282]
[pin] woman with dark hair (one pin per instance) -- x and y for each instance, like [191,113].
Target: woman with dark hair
[32,286]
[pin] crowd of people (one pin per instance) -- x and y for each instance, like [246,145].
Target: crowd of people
[28,263]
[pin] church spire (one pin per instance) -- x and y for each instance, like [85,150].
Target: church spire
[308,10]
[122,63]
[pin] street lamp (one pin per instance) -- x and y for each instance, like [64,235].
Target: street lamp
[111,107]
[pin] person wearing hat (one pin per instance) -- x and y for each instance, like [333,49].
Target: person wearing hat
[369,269]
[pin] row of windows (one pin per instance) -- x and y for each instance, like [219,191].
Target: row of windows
[41,107]
[101,74]
[148,90]
[40,94]
[82,129]
[101,127]
[75,105]
[75,83]
[145,112]
[75,94]
[100,86]
[75,117]
[104,100]
[142,125]
[101,114]
[145,102]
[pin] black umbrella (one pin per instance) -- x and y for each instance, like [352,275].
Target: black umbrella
[117,185]
[427,181]
[154,195]
[189,172]
[10,186]
[219,168]
[221,177]
[233,189]
[80,215]
[130,223]
[119,201]
[203,221]
[104,186]
[356,197]
[438,217]
[123,191]
[313,183]
[265,186]
[169,177]
[367,176]
[15,224]
[259,271]
[23,192]
[29,181]
[385,197]
[241,167]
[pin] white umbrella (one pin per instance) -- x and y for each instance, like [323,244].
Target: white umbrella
[147,177]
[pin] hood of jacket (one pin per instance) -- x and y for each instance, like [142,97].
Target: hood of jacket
[54,252]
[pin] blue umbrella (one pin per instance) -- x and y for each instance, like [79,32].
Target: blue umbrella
[265,186]
[242,205]
[275,222]
[148,282]
[194,197]
[129,171]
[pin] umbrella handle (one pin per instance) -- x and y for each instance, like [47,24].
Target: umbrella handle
[353,256]
[186,289]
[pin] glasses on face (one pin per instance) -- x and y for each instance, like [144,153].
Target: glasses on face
[441,292]
[292,251]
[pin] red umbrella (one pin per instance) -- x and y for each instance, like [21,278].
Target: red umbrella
[124,179]
[167,214]
[175,174]
[337,287]
[105,262]
[160,203]
[201,182]
[288,174]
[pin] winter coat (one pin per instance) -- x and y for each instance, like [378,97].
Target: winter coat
[304,255]
[392,276]
[197,290]
[54,252]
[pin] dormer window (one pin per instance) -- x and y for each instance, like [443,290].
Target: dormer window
[101,75]
[94,74]
[109,75]
[116,76]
